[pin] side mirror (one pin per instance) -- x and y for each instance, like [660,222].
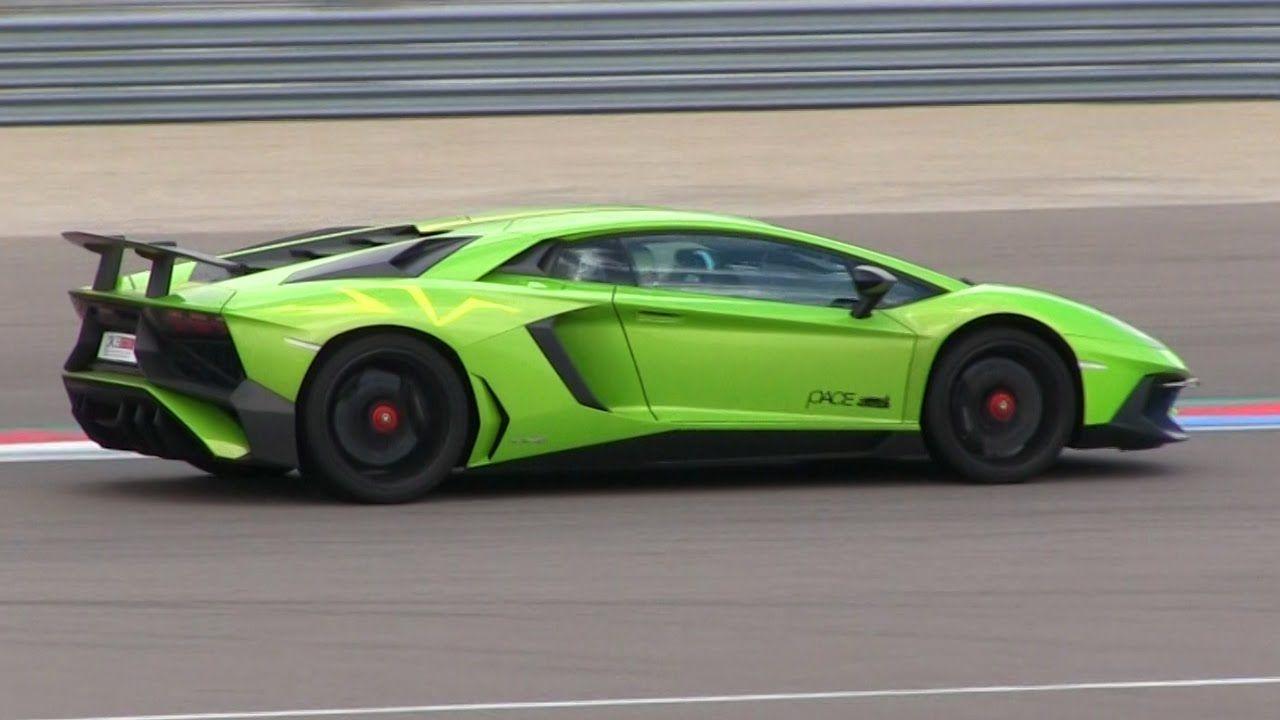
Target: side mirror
[872,284]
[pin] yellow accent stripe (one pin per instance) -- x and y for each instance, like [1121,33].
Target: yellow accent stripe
[366,303]
[468,305]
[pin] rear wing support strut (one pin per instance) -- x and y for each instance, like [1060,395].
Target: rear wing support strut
[162,256]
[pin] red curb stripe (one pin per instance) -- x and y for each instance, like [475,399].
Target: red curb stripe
[1270,408]
[13,437]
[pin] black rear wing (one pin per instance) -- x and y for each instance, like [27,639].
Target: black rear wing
[162,256]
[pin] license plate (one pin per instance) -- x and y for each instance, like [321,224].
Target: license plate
[118,347]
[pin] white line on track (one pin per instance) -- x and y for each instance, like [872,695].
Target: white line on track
[700,699]
[59,451]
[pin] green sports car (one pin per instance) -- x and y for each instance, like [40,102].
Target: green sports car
[378,360]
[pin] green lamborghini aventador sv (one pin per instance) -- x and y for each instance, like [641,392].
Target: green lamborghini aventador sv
[377,360]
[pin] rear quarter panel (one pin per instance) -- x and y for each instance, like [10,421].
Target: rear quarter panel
[277,332]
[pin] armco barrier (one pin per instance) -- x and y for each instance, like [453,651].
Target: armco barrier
[614,56]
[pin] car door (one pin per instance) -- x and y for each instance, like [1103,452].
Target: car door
[757,330]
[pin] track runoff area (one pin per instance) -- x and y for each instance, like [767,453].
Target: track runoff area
[1206,415]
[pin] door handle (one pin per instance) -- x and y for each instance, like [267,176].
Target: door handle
[658,316]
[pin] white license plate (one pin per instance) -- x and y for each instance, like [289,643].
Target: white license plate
[118,347]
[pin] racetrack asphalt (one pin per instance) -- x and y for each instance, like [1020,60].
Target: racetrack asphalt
[137,587]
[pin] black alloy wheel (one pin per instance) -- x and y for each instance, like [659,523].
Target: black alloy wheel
[1000,406]
[384,419]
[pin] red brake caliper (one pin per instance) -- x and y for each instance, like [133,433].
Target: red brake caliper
[1001,405]
[385,418]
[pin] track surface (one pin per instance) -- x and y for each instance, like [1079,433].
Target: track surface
[133,587]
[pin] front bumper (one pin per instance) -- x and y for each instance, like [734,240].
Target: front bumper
[1144,421]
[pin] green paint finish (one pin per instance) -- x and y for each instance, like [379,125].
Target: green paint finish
[720,359]
[657,359]
[594,339]
[1122,365]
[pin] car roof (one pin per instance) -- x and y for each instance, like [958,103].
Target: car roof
[500,228]
[578,219]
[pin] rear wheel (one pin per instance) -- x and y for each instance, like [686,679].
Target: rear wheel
[384,419]
[1000,407]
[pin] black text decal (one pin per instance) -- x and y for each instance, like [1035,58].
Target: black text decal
[831,397]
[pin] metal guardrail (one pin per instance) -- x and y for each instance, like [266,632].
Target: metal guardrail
[611,56]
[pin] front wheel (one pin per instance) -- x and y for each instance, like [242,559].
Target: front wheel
[384,419]
[1000,407]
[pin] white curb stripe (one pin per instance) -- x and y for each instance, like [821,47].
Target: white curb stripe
[60,451]
[699,699]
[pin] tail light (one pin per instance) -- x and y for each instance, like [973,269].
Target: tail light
[186,323]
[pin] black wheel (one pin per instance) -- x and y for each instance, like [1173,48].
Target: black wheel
[384,419]
[1001,405]
[232,469]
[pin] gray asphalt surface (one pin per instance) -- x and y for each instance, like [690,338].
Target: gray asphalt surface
[131,587]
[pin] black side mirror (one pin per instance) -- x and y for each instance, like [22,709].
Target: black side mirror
[872,284]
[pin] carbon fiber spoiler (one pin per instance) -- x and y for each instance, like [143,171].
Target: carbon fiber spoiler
[162,255]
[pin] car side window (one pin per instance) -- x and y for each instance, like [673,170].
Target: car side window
[601,261]
[741,266]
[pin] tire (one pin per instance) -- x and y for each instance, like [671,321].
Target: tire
[384,419]
[231,469]
[1000,406]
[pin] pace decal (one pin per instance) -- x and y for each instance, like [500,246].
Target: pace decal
[846,398]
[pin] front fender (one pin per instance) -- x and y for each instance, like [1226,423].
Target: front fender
[1115,355]
[1109,371]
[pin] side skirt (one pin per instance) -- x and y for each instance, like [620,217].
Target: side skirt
[724,447]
